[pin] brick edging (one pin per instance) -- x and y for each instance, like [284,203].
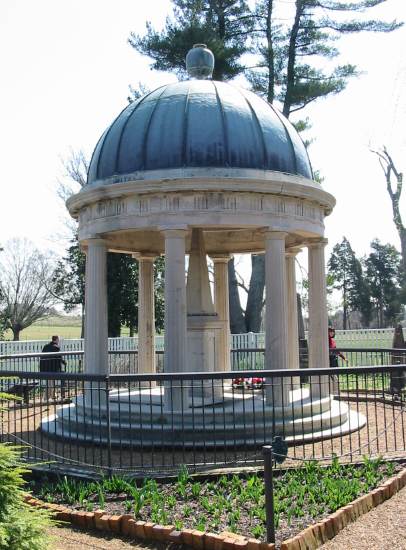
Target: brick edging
[310,538]
[316,535]
[126,525]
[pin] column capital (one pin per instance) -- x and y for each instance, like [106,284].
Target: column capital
[316,243]
[276,235]
[221,258]
[97,241]
[173,231]
[293,251]
[145,256]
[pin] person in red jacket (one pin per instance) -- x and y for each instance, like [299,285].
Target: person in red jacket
[333,351]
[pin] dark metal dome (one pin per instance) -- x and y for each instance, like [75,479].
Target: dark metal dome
[202,124]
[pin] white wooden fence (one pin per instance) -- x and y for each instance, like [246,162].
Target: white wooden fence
[368,338]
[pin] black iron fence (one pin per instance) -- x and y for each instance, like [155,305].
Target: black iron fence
[126,362]
[150,424]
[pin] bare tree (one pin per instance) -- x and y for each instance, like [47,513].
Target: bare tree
[394,181]
[25,277]
[75,167]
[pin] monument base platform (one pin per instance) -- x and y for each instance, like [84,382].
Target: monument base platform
[139,418]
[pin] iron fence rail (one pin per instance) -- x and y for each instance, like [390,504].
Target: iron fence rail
[150,424]
[126,362]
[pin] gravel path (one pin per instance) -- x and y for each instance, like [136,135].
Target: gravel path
[75,539]
[383,528]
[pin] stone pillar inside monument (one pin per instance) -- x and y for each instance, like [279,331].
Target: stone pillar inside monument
[203,324]
[222,307]
[318,318]
[276,323]
[146,315]
[176,397]
[293,327]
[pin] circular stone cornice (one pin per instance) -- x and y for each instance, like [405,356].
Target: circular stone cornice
[200,180]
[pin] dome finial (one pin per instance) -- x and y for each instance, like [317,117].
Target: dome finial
[200,62]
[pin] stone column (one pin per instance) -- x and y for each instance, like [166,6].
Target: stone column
[293,329]
[276,321]
[96,335]
[175,315]
[318,318]
[146,314]
[222,307]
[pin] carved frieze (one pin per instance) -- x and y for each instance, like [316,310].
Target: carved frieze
[239,202]
[108,208]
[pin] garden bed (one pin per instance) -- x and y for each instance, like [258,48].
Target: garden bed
[302,496]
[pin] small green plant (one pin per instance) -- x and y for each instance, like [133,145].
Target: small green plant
[183,478]
[187,510]
[138,501]
[196,488]
[128,506]
[102,499]
[200,524]
[258,531]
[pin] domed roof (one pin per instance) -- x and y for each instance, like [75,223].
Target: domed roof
[198,124]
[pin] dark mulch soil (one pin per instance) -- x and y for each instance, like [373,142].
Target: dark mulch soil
[219,505]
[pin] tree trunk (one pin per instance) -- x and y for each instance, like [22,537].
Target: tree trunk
[16,333]
[270,54]
[237,321]
[389,168]
[345,316]
[344,302]
[254,307]
[300,322]
[290,70]
[402,235]
[82,328]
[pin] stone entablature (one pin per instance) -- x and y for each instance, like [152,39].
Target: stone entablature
[215,180]
[201,202]
[286,203]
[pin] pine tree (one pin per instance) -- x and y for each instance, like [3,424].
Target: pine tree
[345,271]
[223,25]
[383,274]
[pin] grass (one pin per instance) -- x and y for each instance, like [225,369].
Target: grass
[235,503]
[65,326]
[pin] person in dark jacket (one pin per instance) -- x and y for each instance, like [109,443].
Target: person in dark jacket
[52,364]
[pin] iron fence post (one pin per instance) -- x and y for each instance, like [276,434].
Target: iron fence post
[269,503]
[109,458]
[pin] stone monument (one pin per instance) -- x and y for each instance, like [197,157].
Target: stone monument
[201,167]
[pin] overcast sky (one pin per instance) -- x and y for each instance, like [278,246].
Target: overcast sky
[65,70]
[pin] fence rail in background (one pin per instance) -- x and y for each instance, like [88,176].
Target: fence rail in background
[219,420]
[370,338]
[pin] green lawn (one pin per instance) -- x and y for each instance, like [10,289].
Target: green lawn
[65,326]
